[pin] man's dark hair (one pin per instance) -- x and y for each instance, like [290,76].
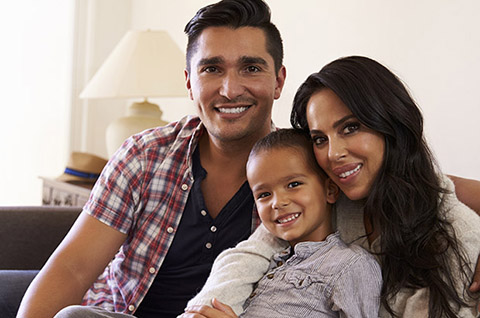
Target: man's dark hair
[235,14]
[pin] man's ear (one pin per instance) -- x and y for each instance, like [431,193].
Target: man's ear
[281,76]
[188,84]
[332,191]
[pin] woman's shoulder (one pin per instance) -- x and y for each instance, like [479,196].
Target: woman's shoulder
[348,219]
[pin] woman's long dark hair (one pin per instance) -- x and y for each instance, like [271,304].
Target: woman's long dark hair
[405,197]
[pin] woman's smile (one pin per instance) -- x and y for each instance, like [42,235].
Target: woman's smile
[349,152]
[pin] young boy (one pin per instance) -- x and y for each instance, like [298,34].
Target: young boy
[318,275]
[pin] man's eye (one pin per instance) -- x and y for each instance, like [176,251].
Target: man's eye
[294,184]
[210,69]
[252,69]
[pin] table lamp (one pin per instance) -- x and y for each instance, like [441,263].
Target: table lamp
[143,64]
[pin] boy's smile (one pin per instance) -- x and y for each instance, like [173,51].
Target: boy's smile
[292,199]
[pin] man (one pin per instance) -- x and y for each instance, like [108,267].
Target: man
[173,198]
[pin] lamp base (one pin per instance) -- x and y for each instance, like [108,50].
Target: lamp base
[140,116]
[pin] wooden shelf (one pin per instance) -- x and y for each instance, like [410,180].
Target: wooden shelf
[63,194]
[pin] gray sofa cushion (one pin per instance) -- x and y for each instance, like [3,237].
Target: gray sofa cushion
[29,235]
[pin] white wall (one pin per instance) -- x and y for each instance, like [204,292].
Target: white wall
[35,79]
[434,45]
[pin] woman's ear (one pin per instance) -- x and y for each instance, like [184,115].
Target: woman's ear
[332,191]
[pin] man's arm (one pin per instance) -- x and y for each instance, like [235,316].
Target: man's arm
[468,192]
[236,270]
[72,268]
[218,310]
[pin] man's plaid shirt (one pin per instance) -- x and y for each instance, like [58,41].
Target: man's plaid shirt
[142,192]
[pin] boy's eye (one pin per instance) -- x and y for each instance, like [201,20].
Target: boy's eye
[263,195]
[294,184]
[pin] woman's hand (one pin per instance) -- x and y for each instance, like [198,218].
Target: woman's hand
[219,310]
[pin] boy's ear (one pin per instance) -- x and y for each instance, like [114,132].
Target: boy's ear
[332,191]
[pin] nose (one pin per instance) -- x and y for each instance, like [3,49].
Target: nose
[232,86]
[280,200]
[336,149]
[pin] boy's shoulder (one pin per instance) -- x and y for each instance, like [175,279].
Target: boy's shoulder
[343,257]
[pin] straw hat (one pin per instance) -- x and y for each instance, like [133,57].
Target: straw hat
[82,167]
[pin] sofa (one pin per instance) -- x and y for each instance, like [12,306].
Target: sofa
[28,236]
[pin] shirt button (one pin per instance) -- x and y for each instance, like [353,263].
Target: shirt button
[270,276]
[208,245]
[203,212]
[131,308]
[213,228]
[170,229]
[253,294]
[184,187]
[151,270]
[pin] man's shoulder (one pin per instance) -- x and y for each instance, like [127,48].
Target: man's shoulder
[184,128]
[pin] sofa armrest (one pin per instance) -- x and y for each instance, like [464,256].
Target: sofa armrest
[30,234]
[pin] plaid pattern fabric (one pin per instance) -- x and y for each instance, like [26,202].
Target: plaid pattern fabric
[142,192]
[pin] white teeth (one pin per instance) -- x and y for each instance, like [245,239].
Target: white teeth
[347,173]
[235,110]
[290,218]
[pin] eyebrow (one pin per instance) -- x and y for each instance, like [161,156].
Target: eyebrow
[288,178]
[337,123]
[210,60]
[253,60]
[242,60]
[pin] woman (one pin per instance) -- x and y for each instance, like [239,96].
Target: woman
[368,137]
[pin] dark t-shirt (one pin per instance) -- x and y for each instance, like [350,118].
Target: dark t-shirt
[198,241]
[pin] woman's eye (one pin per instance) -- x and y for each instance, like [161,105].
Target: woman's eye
[350,128]
[319,140]
[294,184]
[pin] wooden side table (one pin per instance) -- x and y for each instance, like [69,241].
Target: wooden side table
[63,194]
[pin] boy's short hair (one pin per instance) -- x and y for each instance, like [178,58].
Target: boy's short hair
[236,14]
[289,138]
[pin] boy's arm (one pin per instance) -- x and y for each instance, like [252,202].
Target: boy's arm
[236,270]
[468,192]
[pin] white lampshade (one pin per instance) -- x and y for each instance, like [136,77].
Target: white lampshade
[143,64]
